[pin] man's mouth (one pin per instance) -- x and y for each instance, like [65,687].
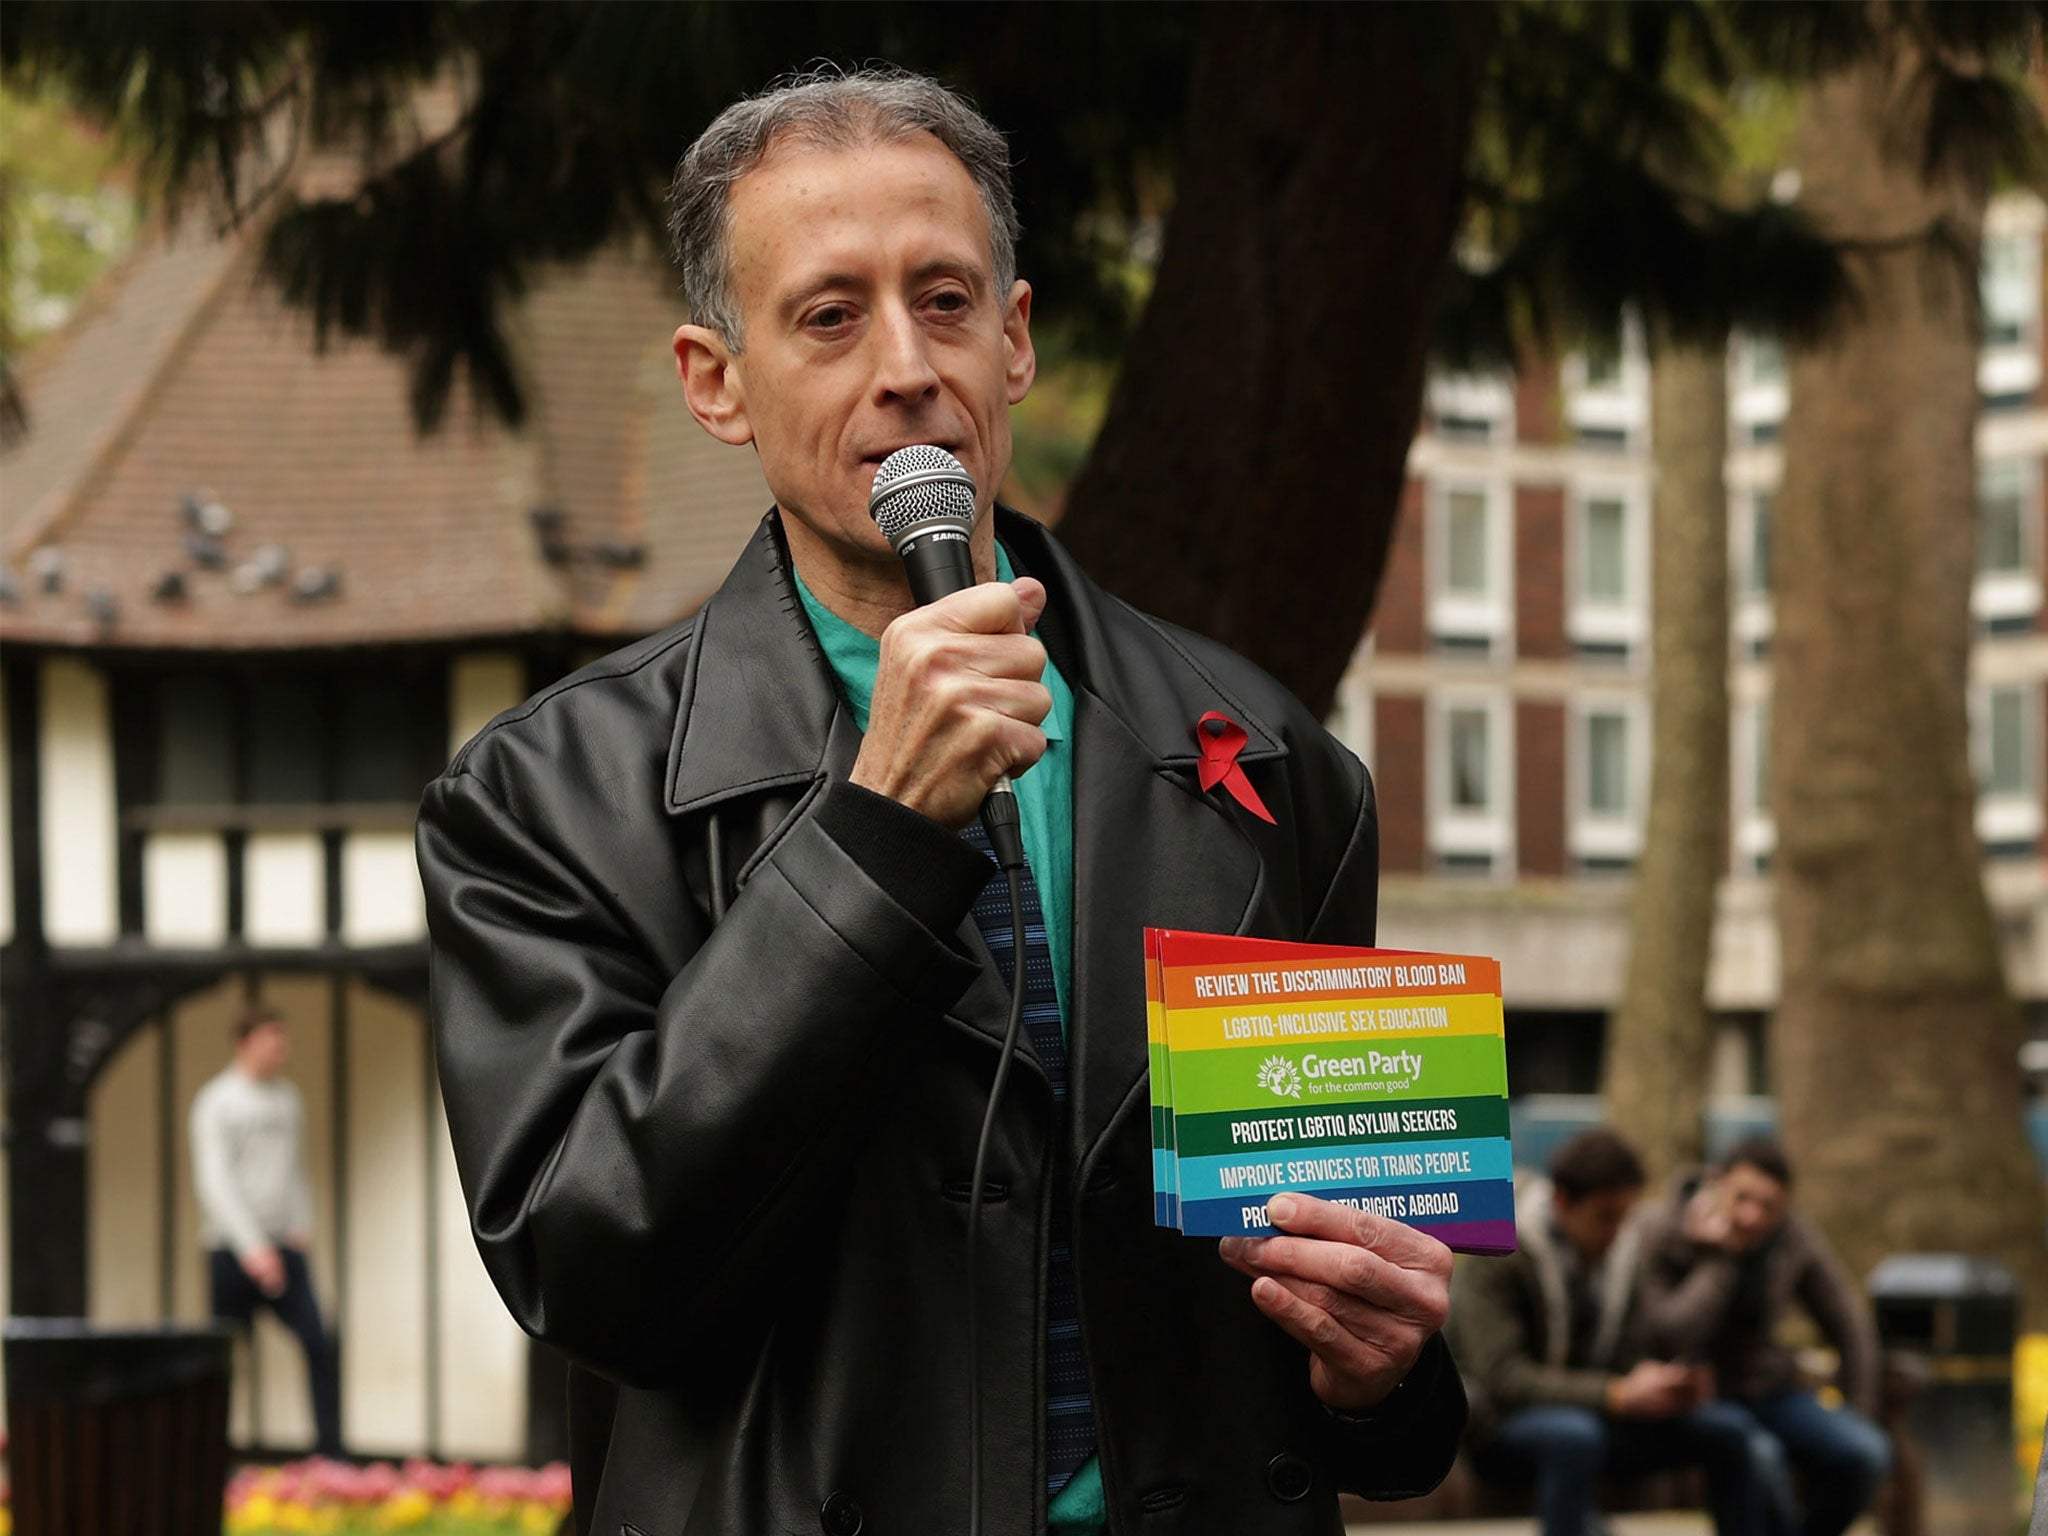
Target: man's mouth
[874,460]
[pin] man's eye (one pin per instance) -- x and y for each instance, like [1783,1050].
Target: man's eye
[831,317]
[950,299]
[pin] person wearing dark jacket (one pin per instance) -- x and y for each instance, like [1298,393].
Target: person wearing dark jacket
[1547,1341]
[1724,1263]
[718,996]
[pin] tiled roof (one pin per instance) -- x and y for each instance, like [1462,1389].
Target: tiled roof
[186,383]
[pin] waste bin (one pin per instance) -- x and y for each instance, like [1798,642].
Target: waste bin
[116,1431]
[1960,1315]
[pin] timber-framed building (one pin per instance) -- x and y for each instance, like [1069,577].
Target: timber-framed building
[247,613]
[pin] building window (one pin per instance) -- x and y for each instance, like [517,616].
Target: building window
[195,727]
[1609,555]
[1465,429]
[1757,396]
[1763,360]
[2005,760]
[1470,760]
[1471,783]
[2010,285]
[1465,541]
[1606,785]
[1604,566]
[1752,515]
[290,736]
[2007,740]
[2001,518]
[2009,368]
[1760,761]
[1472,408]
[1607,765]
[1756,570]
[1607,388]
[2007,593]
[285,763]
[1603,360]
[1469,605]
[1750,742]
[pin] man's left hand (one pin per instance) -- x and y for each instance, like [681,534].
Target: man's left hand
[1363,1293]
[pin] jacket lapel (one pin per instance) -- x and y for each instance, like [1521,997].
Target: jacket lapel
[757,699]
[1148,851]
[1149,848]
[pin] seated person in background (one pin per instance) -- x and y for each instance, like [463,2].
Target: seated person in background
[1546,1342]
[1724,1261]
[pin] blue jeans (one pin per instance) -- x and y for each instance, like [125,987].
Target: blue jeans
[1565,1450]
[1841,1458]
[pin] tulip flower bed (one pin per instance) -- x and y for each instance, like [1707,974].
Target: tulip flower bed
[330,1498]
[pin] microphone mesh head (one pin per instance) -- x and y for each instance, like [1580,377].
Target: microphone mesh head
[917,486]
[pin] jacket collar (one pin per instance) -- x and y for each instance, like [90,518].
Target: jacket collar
[1613,1278]
[757,701]
[1117,653]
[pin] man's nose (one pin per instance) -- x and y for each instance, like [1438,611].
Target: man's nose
[903,369]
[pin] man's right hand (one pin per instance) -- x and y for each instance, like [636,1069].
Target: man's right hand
[1654,1389]
[1706,1217]
[959,698]
[265,1266]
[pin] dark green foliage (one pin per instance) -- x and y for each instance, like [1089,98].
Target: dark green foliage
[1601,179]
[1603,182]
[1984,120]
[1597,187]
[577,115]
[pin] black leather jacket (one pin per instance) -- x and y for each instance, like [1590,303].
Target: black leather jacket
[715,1030]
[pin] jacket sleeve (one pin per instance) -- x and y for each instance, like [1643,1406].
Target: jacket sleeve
[1830,1300]
[1494,1348]
[1404,1447]
[642,1154]
[1687,1290]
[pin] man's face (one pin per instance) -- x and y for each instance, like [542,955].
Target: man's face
[1592,1222]
[265,1050]
[864,280]
[1756,1203]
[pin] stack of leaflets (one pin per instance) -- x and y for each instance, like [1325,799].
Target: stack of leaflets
[1373,1078]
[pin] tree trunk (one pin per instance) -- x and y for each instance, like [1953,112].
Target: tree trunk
[1896,1042]
[1248,470]
[1659,1039]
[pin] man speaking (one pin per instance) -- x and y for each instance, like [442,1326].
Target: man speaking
[721,978]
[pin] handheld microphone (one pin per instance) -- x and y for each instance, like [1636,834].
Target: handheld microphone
[923,501]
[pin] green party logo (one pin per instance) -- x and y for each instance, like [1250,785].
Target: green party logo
[1282,1076]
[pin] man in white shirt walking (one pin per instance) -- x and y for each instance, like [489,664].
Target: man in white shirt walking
[256,1209]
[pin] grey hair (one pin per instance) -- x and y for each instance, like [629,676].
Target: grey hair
[826,108]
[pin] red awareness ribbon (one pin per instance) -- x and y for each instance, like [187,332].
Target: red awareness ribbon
[1221,739]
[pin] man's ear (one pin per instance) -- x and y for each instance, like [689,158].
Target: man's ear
[711,384]
[1020,361]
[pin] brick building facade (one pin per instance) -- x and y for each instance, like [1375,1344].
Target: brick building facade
[1502,696]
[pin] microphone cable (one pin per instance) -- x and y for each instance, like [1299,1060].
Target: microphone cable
[922,500]
[1000,819]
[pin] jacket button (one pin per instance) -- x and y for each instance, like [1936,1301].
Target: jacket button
[840,1515]
[1290,1477]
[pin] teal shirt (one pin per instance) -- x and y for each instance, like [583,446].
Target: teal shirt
[1045,805]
